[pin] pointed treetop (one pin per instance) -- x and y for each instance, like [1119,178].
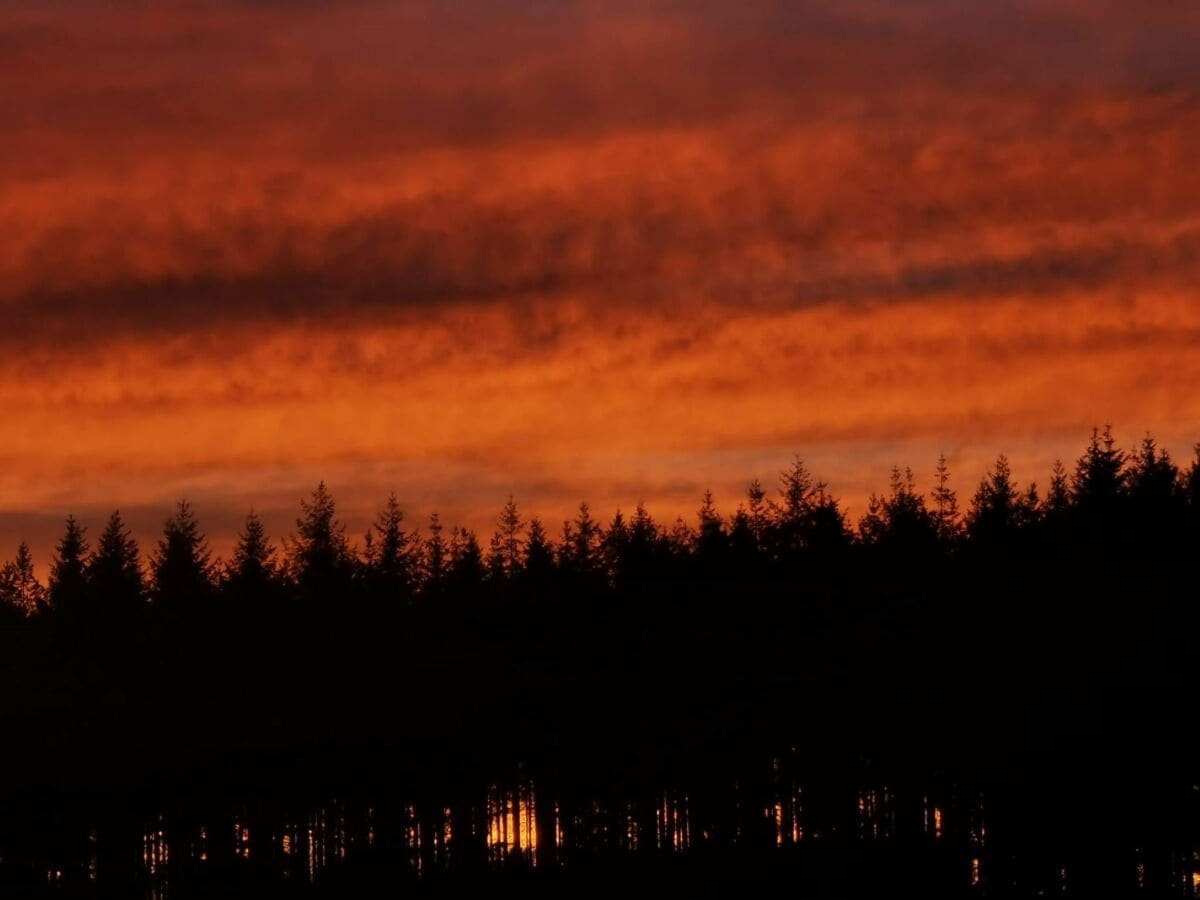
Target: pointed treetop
[19,586]
[181,565]
[253,560]
[114,571]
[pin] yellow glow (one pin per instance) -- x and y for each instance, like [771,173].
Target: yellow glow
[512,824]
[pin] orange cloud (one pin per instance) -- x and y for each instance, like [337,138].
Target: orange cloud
[632,407]
[620,252]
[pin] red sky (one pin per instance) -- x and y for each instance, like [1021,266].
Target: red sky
[568,250]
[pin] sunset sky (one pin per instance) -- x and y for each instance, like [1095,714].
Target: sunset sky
[571,250]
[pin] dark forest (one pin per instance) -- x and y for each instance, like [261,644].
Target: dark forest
[1021,623]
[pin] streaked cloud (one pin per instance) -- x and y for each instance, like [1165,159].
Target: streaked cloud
[621,251]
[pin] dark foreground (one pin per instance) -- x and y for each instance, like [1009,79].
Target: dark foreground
[842,824]
[999,706]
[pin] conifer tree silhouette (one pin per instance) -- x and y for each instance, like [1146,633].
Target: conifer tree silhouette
[511,544]
[681,542]
[494,561]
[435,557]
[1098,489]
[900,523]
[743,543]
[1058,497]
[466,560]
[114,576]
[945,503]
[796,490]
[390,560]
[918,608]
[539,554]
[1156,497]
[181,566]
[252,572]
[582,546]
[758,511]
[712,541]
[616,547]
[1190,488]
[645,551]
[319,557]
[19,586]
[68,582]
[996,508]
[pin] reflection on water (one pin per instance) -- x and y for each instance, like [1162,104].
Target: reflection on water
[526,823]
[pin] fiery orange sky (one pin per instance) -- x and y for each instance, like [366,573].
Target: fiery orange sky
[569,250]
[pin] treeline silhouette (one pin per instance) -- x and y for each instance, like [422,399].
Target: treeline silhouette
[1063,615]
